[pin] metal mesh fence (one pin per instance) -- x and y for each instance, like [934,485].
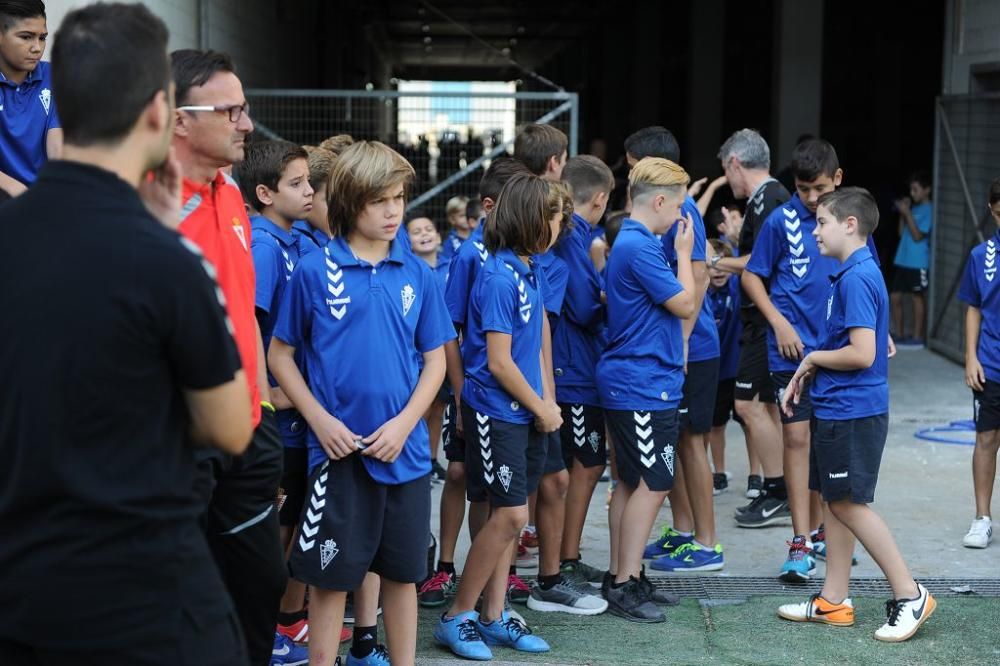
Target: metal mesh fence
[448,137]
[966,160]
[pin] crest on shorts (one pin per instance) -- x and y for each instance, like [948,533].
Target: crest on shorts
[45,97]
[408,296]
[505,476]
[595,441]
[327,551]
[668,457]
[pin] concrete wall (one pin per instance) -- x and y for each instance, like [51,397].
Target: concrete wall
[971,28]
[272,43]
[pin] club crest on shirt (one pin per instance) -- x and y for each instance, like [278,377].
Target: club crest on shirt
[240,233]
[327,551]
[505,477]
[408,296]
[46,99]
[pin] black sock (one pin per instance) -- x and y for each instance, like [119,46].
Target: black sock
[548,582]
[569,560]
[365,640]
[446,566]
[286,619]
[618,586]
[775,487]
[513,570]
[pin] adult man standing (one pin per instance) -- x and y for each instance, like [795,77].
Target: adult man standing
[242,521]
[29,126]
[118,356]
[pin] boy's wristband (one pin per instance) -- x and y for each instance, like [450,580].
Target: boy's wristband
[268,406]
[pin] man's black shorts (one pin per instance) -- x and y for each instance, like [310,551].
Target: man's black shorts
[800,412]
[698,402]
[845,456]
[583,435]
[725,403]
[454,445]
[553,454]
[293,484]
[986,407]
[353,524]
[504,461]
[909,280]
[753,377]
[645,446]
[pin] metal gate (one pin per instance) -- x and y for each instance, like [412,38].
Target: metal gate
[966,160]
[465,130]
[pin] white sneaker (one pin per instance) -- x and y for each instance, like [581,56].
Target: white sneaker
[904,616]
[980,533]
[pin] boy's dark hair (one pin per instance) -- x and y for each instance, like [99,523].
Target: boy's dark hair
[123,43]
[263,164]
[416,214]
[193,68]
[473,209]
[536,144]
[13,12]
[922,178]
[995,191]
[814,158]
[854,202]
[587,175]
[720,248]
[520,220]
[612,225]
[655,141]
[361,173]
[501,170]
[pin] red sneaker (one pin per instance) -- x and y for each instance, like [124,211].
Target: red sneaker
[346,634]
[517,590]
[298,632]
[529,540]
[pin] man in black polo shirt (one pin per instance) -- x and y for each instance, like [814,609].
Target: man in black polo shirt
[116,354]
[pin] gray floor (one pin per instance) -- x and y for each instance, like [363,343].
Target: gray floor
[924,493]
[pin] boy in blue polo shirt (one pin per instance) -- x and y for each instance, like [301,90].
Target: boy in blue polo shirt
[30,132]
[313,231]
[980,290]
[508,407]
[849,370]
[460,227]
[640,376]
[369,496]
[912,257]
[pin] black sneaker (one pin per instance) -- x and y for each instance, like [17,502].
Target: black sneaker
[764,511]
[631,602]
[657,596]
[755,486]
[719,483]
[752,505]
[606,583]
[437,472]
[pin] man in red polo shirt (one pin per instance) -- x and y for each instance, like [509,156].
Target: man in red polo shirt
[241,521]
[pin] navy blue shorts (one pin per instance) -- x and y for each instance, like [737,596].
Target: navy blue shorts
[583,435]
[986,407]
[294,476]
[845,456]
[554,462]
[645,446]
[698,403]
[800,412]
[725,403]
[352,524]
[753,378]
[454,445]
[505,460]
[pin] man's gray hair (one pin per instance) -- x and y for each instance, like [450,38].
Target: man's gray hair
[749,147]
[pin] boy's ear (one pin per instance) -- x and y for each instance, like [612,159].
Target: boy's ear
[838,177]
[851,225]
[488,204]
[264,193]
[600,199]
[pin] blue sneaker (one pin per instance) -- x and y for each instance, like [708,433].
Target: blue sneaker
[669,541]
[800,564]
[508,631]
[690,557]
[377,657]
[460,634]
[287,653]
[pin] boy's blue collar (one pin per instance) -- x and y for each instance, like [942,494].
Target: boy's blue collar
[507,256]
[261,222]
[859,255]
[341,252]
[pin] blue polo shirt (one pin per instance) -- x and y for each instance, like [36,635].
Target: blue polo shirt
[981,290]
[27,113]
[462,274]
[785,253]
[440,271]
[857,298]
[643,365]
[725,305]
[506,298]
[359,325]
[554,275]
[450,246]
[309,238]
[912,253]
[704,341]
[579,337]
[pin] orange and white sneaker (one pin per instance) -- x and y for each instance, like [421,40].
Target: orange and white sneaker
[904,616]
[818,609]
